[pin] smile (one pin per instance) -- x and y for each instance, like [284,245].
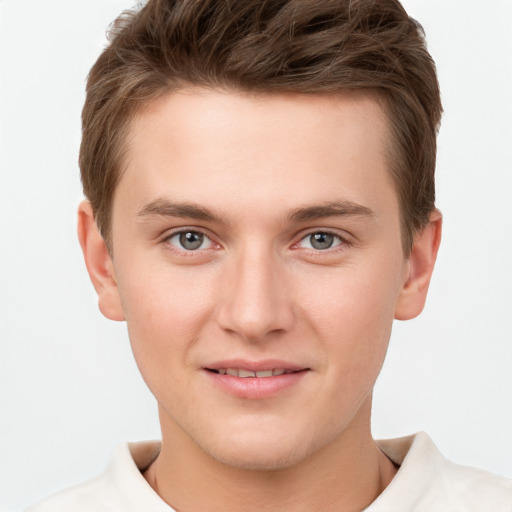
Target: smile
[265,382]
[240,372]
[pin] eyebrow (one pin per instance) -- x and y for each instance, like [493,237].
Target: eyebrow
[342,208]
[167,208]
[332,209]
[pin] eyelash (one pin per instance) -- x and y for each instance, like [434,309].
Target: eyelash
[341,243]
[188,252]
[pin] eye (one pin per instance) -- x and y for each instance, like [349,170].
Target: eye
[190,240]
[320,241]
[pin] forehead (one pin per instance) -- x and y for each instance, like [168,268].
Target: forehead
[267,150]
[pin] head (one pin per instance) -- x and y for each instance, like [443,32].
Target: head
[261,174]
[267,47]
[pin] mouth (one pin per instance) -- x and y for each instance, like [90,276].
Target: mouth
[256,380]
[260,374]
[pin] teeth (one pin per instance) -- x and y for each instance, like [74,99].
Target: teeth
[264,373]
[246,373]
[239,372]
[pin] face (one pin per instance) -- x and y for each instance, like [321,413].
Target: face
[258,261]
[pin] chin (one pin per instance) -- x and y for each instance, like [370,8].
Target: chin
[255,458]
[262,450]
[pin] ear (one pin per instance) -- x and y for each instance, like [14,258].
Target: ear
[419,269]
[99,263]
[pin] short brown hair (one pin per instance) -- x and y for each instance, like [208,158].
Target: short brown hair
[267,46]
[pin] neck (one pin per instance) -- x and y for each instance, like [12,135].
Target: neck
[346,475]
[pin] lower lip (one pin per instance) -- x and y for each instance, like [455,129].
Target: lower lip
[256,388]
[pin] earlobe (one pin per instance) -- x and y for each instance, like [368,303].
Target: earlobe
[99,264]
[420,267]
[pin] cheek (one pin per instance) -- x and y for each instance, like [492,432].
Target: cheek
[165,312]
[353,315]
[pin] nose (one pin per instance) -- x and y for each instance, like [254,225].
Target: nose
[255,301]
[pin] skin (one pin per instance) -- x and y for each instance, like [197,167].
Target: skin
[258,289]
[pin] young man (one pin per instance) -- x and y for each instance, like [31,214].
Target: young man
[260,207]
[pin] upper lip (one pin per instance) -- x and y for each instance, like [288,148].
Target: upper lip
[256,366]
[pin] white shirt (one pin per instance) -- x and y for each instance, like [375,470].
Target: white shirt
[425,482]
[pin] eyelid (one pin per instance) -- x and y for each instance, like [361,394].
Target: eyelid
[343,239]
[166,237]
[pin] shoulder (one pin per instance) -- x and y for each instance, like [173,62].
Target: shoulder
[473,489]
[89,495]
[427,481]
[120,488]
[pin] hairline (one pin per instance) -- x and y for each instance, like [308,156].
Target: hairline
[392,154]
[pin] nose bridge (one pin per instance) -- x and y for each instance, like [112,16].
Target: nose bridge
[255,302]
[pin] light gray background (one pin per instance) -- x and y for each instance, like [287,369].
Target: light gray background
[69,389]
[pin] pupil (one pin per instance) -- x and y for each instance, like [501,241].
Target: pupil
[322,240]
[191,240]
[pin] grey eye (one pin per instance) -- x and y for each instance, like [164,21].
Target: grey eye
[321,240]
[191,240]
